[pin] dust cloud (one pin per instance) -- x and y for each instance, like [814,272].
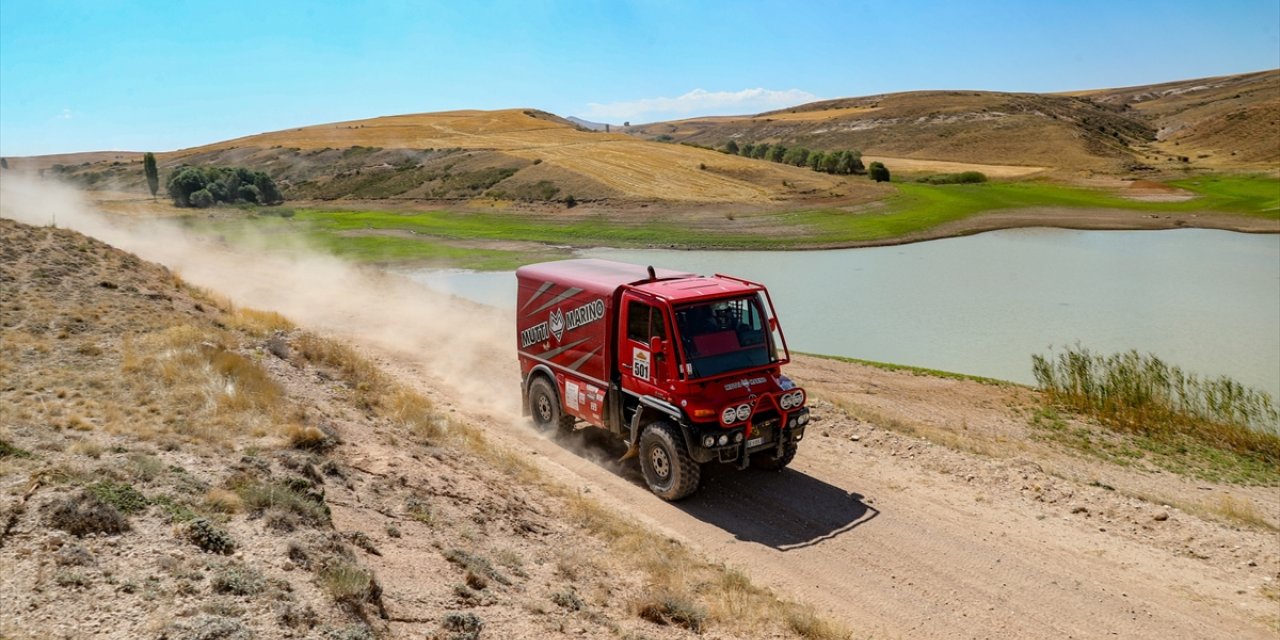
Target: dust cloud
[467,347]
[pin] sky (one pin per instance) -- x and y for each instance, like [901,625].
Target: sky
[158,76]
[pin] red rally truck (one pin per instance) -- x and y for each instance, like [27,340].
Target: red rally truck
[686,369]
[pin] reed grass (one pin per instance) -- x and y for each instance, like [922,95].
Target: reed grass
[1142,394]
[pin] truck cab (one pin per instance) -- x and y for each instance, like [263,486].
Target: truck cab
[686,369]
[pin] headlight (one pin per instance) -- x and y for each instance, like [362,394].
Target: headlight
[792,399]
[724,439]
[708,441]
[744,411]
[803,419]
[729,416]
[737,436]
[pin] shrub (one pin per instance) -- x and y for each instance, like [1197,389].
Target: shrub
[122,496]
[84,513]
[201,199]
[476,564]
[465,626]
[238,580]
[671,609]
[347,582]
[210,537]
[878,172]
[731,147]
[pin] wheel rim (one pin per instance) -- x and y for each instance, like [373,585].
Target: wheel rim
[660,462]
[544,408]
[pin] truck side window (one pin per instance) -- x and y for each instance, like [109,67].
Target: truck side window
[644,322]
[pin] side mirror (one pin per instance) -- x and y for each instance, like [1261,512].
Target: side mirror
[656,346]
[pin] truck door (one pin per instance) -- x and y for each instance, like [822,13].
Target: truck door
[643,370]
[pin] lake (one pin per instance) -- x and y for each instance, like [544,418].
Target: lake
[1205,300]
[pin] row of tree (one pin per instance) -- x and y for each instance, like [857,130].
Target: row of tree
[206,186]
[835,162]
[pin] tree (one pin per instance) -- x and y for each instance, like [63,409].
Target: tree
[746,150]
[815,160]
[731,147]
[797,156]
[878,172]
[777,152]
[830,162]
[761,151]
[201,198]
[4,164]
[152,173]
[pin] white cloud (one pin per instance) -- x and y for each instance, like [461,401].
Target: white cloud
[698,102]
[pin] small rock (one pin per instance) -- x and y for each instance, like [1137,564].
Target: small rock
[1161,517]
[1083,510]
[855,437]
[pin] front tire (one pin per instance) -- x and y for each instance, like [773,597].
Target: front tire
[545,408]
[669,470]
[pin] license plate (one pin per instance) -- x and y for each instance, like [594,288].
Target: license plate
[755,442]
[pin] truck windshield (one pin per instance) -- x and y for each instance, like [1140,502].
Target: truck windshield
[724,335]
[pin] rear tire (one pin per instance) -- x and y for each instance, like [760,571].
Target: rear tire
[669,470]
[544,407]
[769,460]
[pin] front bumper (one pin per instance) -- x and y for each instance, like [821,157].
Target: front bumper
[769,434]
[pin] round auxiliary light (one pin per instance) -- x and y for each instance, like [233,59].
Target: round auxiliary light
[708,441]
[786,401]
[729,416]
[744,411]
[724,439]
[737,437]
[799,397]
[803,419]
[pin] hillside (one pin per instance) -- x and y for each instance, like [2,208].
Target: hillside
[174,467]
[1226,122]
[497,156]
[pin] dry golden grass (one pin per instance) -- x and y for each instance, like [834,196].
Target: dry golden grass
[913,165]
[633,167]
[223,501]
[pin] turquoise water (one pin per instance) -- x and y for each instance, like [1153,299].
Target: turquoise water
[1206,300]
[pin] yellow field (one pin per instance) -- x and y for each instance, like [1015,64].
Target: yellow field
[635,168]
[913,165]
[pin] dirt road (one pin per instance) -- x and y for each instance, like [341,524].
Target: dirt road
[900,538]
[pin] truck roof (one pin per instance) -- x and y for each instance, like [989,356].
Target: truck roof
[592,274]
[606,276]
[697,288]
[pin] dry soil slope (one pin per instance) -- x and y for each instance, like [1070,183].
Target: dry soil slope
[1110,130]
[149,406]
[1230,120]
[510,154]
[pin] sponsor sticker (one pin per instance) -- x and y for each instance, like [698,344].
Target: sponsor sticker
[571,394]
[640,363]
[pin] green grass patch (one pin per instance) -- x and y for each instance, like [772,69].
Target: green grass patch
[458,239]
[918,207]
[919,371]
[1213,428]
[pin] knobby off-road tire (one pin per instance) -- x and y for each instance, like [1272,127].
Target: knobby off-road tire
[544,407]
[664,459]
[769,460]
